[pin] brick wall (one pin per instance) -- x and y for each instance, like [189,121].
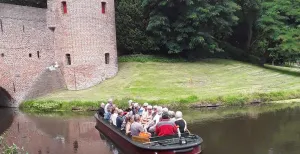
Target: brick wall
[86,34]
[32,39]
[27,46]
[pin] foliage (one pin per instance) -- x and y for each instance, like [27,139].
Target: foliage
[149,58]
[279,27]
[176,84]
[189,25]
[50,105]
[228,100]
[268,29]
[130,25]
[13,149]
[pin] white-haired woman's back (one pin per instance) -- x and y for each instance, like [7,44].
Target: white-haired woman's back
[180,122]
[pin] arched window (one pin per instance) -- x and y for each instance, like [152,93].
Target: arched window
[68,59]
[2,54]
[106,58]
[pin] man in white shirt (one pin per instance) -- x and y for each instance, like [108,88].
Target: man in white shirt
[114,117]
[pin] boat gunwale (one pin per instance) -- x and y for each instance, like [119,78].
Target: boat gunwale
[144,146]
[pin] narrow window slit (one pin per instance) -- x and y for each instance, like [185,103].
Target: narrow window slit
[68,59]
[2,54]
[23,28]
[64,6]
[103,6]
[30,55]
[1,26]
[106,58]
[14,87]
[38,54]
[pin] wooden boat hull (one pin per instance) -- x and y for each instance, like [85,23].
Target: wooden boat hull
[127,146]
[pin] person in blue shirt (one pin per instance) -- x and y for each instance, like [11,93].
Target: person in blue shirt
[120,119]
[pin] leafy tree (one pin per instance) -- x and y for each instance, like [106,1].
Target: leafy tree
[244,33]
[131,30]
[279,27]
[189,25]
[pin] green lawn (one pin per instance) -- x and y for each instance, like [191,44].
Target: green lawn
[210,79]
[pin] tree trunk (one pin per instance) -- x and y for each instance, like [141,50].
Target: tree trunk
[249,35]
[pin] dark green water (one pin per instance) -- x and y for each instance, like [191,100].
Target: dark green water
[225,131]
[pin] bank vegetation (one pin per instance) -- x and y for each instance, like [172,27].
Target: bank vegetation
[177,83]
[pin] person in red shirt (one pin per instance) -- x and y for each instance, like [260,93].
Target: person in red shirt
[165,127]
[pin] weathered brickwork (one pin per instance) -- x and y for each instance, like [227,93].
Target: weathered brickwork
[34,39]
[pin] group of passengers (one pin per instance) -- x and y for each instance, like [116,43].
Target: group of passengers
[147,119]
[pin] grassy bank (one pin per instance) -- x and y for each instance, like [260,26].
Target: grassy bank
[177,83]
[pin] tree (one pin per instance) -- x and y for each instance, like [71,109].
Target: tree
[131,30]
[189,25]
[279,26]
[244,33]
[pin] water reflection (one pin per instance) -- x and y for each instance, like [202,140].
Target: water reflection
[229,131]
[6,118]
[276,132]
[110,144]
[54,135]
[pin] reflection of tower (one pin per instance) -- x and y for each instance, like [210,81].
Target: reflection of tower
[85,40]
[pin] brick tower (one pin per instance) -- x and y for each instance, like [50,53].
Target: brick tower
[84,40]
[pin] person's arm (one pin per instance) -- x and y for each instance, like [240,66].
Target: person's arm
[127,129]
[175,129]
[185,127]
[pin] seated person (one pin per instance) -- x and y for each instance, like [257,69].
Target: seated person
[129,120]
[107,114]
[101,110]
[172,116]
[136,127]
[119,119]
[108,105]
[155,120]
[130,106]
[113,117]
[147,116]
[180,122]
[165,126]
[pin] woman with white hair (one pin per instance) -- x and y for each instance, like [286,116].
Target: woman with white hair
[130,106]
[155,119]
[180,122]
[165,109]
[172,116]
[113,117]
[147,116]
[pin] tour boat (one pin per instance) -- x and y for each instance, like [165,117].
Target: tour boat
[186,144]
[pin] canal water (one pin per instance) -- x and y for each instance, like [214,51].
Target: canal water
[254,130]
